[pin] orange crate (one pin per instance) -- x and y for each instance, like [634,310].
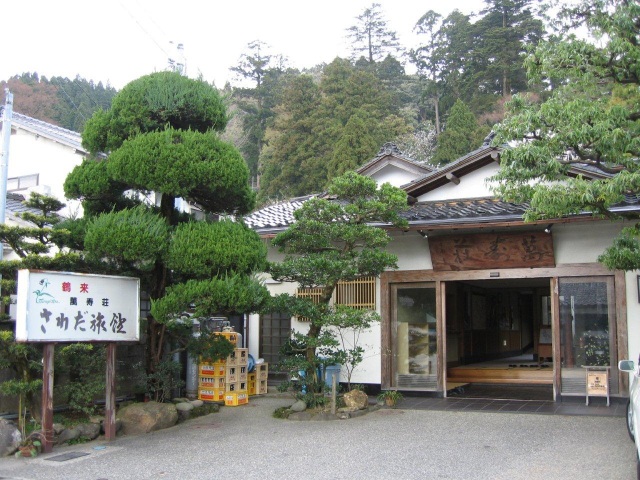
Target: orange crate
[211,382]
[251,387]
[235,399]
[232,387]
[211,395]
[242,373]
[231,336]
[251,376]
[212,369]
[232,360]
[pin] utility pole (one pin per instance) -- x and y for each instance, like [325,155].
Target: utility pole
[7,115]
[179,64]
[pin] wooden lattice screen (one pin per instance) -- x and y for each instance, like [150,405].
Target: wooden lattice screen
[359,293]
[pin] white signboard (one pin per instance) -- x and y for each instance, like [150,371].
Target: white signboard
[75,307]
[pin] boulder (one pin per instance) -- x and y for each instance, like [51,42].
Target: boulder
[197,403]
[118,425]
[356,399]
[147,417]
[89,430]
[185,406]
[10,437]
[67,434]
[299,406]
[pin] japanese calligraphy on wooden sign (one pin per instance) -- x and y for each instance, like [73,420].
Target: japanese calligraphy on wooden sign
[491,250]
[74,307]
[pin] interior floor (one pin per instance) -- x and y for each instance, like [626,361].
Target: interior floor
[502,391]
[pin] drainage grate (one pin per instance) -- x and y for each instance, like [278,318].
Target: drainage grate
[67,456]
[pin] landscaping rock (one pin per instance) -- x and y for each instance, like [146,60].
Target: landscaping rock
[118,425]
[58,428]
[147,417]
[89,430]
[67,435]
[184,406]
[299,406]
[197,403]
[356,399]
[10,437]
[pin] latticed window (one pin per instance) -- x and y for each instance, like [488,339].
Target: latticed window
[359,293]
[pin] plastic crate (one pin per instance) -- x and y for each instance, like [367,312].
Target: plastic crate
[231,336]
[231,374]
[236,399]
[212,369]
[251,387]
[232,387]
[242,356]
[262,371]
[242,373]
[251,377]
[232,360]
[211,394]
[262,387]
[212,382]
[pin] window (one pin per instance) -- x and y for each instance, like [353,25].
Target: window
[359,293]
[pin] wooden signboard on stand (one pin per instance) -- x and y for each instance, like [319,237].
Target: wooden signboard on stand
[597,382]
[55,307]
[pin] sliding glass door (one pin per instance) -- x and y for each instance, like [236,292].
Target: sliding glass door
[415,363]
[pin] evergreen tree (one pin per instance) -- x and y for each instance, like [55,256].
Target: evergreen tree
[332,239]
[504,33]
[372,36]
[460,136]
[160,132]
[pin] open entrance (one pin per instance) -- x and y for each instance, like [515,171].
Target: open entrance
[498,339]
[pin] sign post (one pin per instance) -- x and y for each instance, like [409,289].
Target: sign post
[57,307]
[597,382]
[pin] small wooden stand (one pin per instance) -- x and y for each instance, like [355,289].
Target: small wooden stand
[597,382]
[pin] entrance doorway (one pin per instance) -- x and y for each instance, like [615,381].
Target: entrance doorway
[499,333]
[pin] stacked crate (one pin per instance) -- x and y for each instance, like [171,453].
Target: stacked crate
[258,379]
[225,380]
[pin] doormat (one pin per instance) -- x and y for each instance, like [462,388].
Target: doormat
[67,456]
[503,392]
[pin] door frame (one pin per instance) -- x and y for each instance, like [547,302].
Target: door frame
[387,279]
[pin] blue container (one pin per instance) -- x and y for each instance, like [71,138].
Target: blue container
[331,371]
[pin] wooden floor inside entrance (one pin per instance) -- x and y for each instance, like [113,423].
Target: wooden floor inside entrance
[507,371]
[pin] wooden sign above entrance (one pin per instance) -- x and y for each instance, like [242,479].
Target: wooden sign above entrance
[491,250]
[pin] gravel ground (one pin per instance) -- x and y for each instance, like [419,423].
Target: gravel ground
[244,443]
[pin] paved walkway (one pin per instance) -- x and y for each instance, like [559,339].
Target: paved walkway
[247,443]
[574,406]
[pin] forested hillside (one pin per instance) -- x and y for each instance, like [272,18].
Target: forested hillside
[297,129]
[61,101]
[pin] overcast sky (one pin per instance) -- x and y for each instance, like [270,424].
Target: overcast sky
[119,41]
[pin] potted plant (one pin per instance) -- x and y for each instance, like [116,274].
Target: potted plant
[31,446]
[390,397]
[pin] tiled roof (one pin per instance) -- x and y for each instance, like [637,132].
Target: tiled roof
[474,210]
[15,204]
[47,130]
[275,217]
[391,149]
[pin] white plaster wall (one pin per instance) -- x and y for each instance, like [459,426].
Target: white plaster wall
[29,154]
[582,242]
[393,175]
[412,250]
[472,185]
